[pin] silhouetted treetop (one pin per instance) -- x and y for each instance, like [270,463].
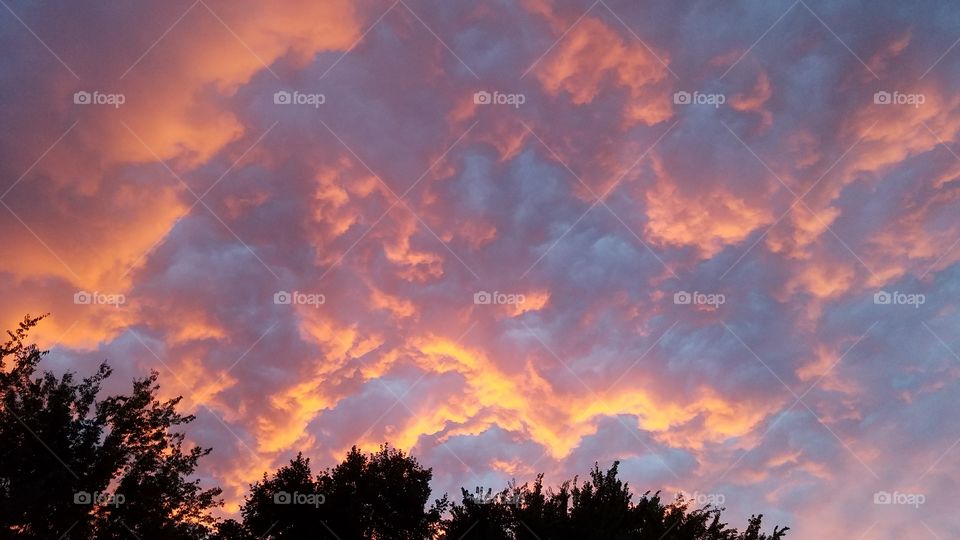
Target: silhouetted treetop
[77,466]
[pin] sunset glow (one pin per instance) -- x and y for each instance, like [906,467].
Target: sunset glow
[718,241]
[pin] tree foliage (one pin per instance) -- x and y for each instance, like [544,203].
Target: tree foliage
[77,465]
[383,496]
[599,509]
[380,495]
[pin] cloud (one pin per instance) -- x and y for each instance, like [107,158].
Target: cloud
[400,198]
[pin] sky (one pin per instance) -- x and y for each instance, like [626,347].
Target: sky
[716,241]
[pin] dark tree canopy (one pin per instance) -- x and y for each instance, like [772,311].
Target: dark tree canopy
[599,509]
[75,465]
[78,465]
[381,495]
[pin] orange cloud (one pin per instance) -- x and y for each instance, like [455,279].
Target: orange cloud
[523,401]
[399,307]
[104,225]
[709,220]
[754,101]
[532,301]
[593,57]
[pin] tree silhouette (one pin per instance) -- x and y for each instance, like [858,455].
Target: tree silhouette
[380,495]
[383,496]
[76,466]
[600,509]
